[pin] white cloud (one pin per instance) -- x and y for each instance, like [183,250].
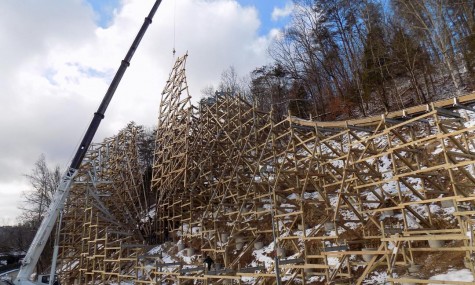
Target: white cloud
[279,13]
[57,65]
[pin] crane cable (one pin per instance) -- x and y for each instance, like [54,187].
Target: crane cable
[174,30]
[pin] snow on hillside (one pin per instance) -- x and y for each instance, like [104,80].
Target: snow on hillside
[454,275]
[389,187]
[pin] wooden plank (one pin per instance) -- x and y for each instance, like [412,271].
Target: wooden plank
[427,237]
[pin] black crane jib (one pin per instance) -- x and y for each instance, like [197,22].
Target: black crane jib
[99,115]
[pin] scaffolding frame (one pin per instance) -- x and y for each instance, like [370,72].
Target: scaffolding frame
[347,199]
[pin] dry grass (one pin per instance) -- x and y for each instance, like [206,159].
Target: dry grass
[351,234]
[289,248]
[313,247]
[312,215]
[195,243]
[434,263]
[441,223]
[245,260]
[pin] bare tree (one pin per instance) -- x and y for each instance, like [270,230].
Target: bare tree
[270,90]
[15,238]
[429,19]
[300,50]
[44,182]
[207,91]
[230,82]
[321,50]
[233,83]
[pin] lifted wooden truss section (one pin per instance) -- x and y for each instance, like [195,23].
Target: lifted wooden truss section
[336,202]
[104,224]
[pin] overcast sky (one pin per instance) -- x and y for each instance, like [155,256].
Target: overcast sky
[58,57]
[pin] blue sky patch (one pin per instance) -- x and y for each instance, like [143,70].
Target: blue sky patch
[104,10]
[265,8]
[49,75]
[91,72]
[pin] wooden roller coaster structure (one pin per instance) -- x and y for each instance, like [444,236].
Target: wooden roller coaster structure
[336,202]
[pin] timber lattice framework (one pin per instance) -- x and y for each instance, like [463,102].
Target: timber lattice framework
[391,196]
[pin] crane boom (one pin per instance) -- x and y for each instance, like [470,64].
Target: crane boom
[62,192]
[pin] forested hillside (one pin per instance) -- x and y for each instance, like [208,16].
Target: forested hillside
[341,59]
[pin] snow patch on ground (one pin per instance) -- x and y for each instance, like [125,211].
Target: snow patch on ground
[377,277]
[456,275]
[261,256]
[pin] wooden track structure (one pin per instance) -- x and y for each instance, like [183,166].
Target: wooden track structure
[390,195]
